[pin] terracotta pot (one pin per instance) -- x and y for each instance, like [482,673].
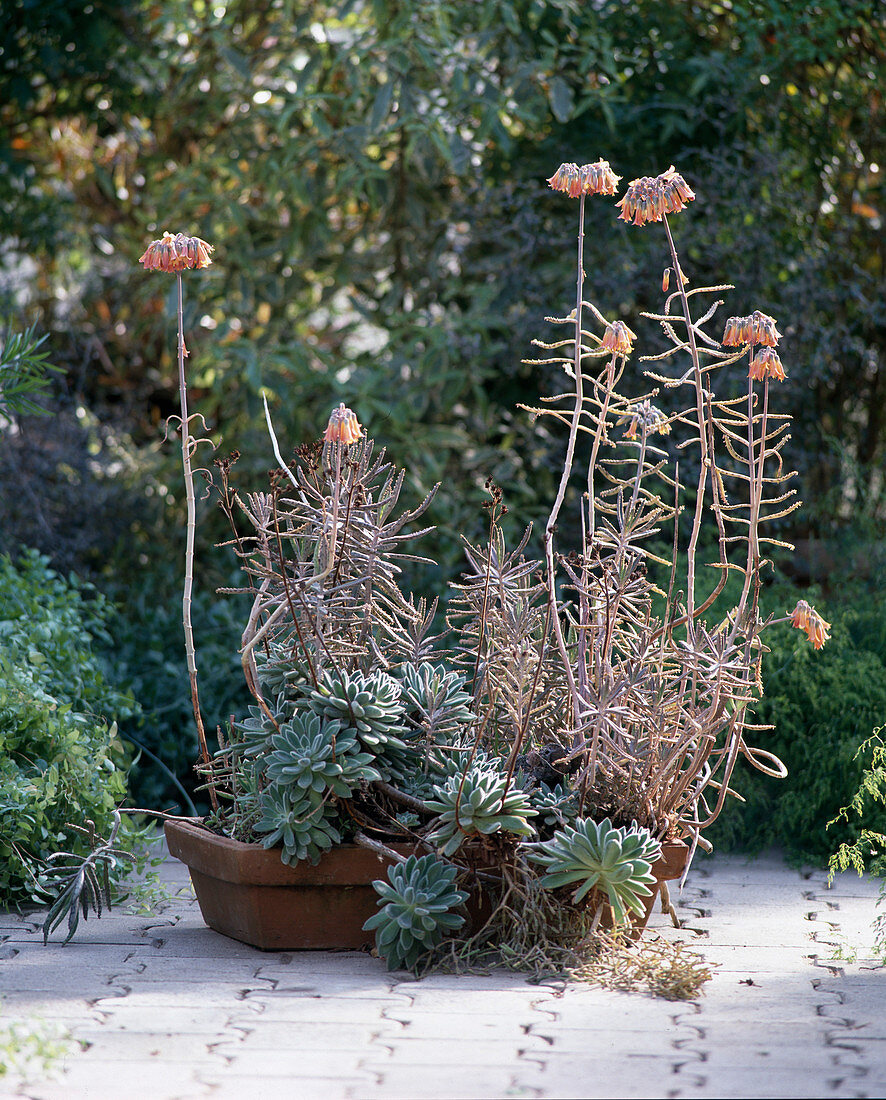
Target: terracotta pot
[246,892]
[670,865]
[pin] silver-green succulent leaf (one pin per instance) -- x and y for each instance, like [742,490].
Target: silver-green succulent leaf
[416,910]
[305,823]
[479,801]
[310,754]
[435,701]
[618,861]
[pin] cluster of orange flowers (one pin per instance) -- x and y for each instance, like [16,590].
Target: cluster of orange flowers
[644,414]
[590,179]
[757,328]
[343,426]
[805,617]
[649,198]
[176,253]
[618,338]
[766,364]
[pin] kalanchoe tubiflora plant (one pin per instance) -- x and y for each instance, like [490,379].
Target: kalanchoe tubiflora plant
[593,703]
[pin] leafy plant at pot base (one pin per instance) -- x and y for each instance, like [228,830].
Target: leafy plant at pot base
[582,714]
[618,862]
[416,909]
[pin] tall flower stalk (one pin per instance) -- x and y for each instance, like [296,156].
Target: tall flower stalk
[174,254]
[657,724]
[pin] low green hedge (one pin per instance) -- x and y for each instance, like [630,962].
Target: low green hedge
[61,757]
[823,705]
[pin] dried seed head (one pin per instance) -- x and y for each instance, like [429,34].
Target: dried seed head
[176,253]
[805,617]
[591,179]
[766,364]
[648,199]
[343,426]
[618,338]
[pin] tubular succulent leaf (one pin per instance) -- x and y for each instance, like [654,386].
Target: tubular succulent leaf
[415,909]
[618,861]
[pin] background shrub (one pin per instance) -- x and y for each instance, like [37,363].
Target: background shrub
[823,705]
[61,758]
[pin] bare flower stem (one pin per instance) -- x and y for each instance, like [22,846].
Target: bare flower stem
[550,526]
[188,444]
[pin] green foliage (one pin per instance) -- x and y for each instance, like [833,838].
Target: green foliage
[868,850]
[435,701]
[618,862]
[416,910]
[61,758]
[370,706]
[478,802]
[823,705]
[148,656]
[31,1049]
[556,807]
[23,370]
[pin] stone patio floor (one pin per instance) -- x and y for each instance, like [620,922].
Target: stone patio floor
[158,1007]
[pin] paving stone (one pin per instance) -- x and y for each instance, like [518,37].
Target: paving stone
[334,1064]
[322,1035]
[299,1009]
[235,1086]
[449,1026]
[114,1080]
[130,1016]
[473,1050]
[110,1044]
[453,1082]
[181,1012]
[783,1083]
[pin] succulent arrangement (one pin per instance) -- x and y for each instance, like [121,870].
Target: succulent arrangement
[578,710]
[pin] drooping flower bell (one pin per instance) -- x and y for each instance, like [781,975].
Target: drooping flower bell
[805,617]
[174,253]
[766,364]
[591,179]
[343,426]
[618,338]
[756,328]
[649,198]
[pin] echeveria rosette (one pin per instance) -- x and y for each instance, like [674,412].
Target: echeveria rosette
[482,801]
[416,910]
[313,755]
[370,705]
[617,861]
[306,825]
